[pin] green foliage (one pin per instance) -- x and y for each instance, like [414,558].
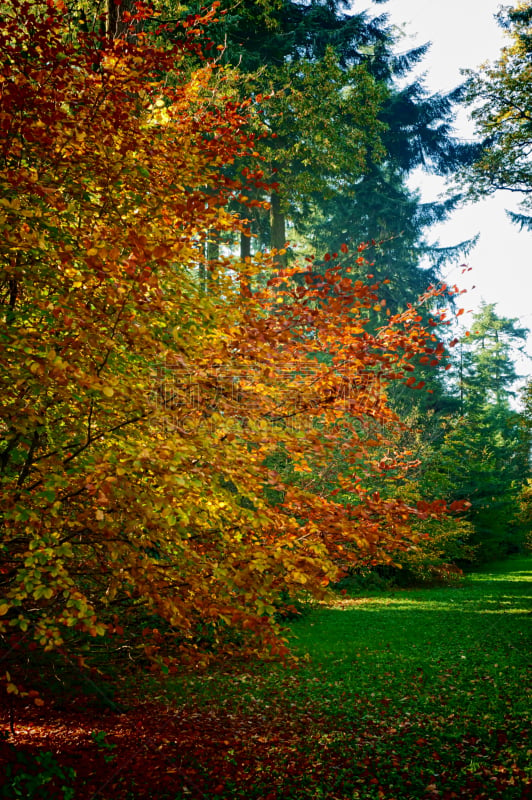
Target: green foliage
[38,776]
[106,747]
[524,514]
[380,207]
[444,544]
[496,464]
[499,95]
[487,371]
[472,446]
[347,134]
[479,460]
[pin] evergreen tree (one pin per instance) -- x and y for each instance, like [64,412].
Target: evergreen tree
[343,136]
[381,209]
[483,456]
[487,370]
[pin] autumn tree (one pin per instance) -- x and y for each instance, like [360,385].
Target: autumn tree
[110,179]
[141,414]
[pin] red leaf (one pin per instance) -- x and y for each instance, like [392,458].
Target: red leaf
[459,505]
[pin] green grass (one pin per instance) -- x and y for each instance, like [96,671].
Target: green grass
[413,693]
[401,695]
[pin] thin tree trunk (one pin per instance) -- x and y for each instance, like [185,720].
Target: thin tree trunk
[461,378]
[212,255]
[245,252]
[202,276]
[115,27]
[245,246]
[211,252]
[277,228]
[213,246]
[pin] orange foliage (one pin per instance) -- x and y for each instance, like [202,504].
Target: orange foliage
[144,420]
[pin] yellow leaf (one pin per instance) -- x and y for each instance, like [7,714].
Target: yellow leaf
[108,391]
[299,577]
[4,608]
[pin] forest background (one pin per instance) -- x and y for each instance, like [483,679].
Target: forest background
[500,241]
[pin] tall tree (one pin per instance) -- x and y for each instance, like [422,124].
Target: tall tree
[482,456]
[321,102]
[499,95]
[373,202]
[380,207]
[487,359]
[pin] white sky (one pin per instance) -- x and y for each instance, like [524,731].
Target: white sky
[465,34]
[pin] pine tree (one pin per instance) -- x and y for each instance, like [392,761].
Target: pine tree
[484,457]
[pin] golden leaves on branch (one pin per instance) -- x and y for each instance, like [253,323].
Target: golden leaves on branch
[167,450]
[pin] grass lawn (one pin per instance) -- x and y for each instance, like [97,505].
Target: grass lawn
[407,694]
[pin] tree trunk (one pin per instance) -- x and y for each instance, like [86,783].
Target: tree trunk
[212,253]
[245,252]
[202,276]
[277,228]
[114,26]
[245,246]
[213,246]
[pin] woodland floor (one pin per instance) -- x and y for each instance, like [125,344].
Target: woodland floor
[403,695]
